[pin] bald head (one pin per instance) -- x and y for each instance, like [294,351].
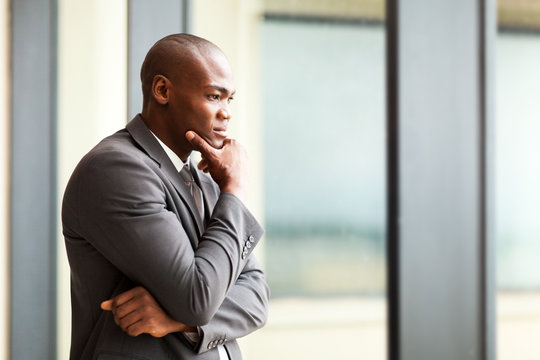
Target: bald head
[172,57]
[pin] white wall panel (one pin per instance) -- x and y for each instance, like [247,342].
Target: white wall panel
[92,103]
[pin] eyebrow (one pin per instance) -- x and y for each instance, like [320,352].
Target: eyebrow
[221,89]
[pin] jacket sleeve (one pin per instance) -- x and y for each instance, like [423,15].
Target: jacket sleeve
[122,212]
[243,311]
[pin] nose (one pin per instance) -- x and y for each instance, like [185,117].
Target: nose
[224,113]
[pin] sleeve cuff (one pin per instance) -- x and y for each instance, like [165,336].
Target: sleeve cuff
[193,337]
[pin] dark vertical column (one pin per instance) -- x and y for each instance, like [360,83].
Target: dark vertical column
[439,122]
[33,179]
[148,22]
[392,173]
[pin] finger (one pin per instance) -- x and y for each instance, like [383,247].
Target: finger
[129,319]
[126,296]
[107,305]
[125,309]
[200,144]
[135,329]
[141,299]
[203,165]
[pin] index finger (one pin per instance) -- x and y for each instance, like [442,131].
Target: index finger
[124,297]
[200,144]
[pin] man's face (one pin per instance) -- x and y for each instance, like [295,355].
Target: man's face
[200,101]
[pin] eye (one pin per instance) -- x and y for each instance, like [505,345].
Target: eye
[213,97]
[230,99]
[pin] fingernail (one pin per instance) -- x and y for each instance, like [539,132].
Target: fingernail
[190,135]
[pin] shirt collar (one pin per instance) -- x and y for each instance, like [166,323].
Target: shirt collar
[177,162]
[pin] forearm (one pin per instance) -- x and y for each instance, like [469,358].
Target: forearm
[244,310]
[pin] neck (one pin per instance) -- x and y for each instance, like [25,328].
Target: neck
[157,124]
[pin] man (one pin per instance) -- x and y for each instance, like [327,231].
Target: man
[160,252]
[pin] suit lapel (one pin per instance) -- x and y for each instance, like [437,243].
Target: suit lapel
[144,137]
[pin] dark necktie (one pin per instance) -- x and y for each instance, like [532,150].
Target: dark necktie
[194,189]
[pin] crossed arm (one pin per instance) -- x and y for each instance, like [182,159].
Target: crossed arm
[243,310]
[137,312]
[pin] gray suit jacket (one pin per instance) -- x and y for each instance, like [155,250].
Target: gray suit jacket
[129,219]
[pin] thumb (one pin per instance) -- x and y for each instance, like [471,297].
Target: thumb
[200,144]
[107,305]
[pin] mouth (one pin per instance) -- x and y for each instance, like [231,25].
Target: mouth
[222,132]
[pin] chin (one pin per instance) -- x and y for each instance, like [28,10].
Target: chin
[218,144]
[214,141]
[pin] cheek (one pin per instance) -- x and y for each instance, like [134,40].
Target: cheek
[208,116]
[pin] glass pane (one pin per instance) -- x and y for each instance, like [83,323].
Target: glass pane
[323,80]
[324,158]
[517,178]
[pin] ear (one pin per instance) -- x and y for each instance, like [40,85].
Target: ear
[160,89]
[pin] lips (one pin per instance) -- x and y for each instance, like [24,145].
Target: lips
[221,131]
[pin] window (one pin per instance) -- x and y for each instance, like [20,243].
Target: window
[324,183]
[517,179]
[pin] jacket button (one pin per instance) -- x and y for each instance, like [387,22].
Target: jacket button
[251,239]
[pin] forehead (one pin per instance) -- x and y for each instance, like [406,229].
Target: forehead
[206,68]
